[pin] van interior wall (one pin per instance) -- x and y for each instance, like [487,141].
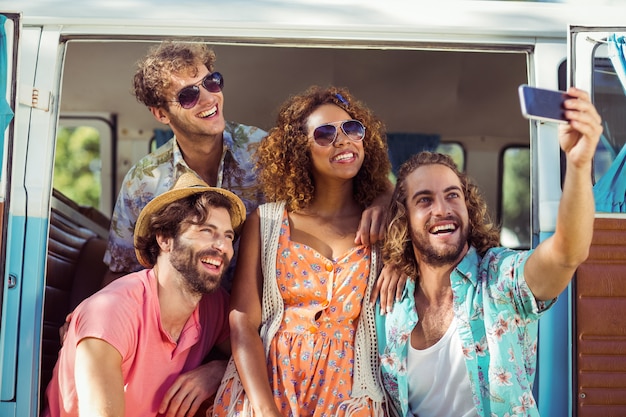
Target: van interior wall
[463,96]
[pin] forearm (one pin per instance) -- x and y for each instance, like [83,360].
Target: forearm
[574,226]
[578,140]
[372,225]
[384,198]
[249,356]
[550,268]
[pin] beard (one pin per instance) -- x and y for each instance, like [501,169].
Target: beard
[438,256]
[185,260]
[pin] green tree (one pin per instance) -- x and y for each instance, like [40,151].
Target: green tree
[77,165]
[516,193]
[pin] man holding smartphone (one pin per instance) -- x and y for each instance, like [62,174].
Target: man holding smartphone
[541,104]
[462,340]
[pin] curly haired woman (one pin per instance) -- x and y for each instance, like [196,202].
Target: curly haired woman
[302,329]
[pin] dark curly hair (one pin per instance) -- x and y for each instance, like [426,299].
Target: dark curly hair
[154,71]
[284,158]
[398,248]
[176,217]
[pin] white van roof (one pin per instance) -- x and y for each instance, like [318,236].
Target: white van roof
[355,19]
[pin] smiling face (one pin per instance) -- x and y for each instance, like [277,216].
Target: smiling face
[438,216]
[206,118]
[203,252]
[344,157]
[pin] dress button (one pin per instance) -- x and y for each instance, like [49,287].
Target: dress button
[325,304]
[329,267]
[313,329]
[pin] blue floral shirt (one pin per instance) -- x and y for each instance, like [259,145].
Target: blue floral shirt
[157,172]
[497,322]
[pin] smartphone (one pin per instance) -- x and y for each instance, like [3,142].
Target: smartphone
[542,104]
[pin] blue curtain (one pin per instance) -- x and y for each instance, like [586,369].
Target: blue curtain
[6,114]
[161,136]
[617,55]
[610,191]
[403,145]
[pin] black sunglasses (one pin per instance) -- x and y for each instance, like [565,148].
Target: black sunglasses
[189,96]
[325,135]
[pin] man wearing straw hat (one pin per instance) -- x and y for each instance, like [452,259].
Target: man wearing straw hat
[130,346]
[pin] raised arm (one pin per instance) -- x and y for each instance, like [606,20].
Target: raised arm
[99,379]
[245,320]
[550,268]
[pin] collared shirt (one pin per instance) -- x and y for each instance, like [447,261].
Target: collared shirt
[127,315]
[497,322]
[157,172]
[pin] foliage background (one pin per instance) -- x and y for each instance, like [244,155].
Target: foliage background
[77,165]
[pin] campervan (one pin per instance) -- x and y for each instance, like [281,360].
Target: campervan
[442,75]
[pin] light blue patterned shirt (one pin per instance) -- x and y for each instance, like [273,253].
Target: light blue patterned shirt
[497,322]
[157,172]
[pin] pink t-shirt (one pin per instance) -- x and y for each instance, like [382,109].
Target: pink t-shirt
[126,314]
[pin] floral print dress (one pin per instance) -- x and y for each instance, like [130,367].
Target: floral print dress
[311,357]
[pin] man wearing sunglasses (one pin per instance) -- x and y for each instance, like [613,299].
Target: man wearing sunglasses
[178,84]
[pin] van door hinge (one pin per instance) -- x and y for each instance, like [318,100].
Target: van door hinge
[35,98]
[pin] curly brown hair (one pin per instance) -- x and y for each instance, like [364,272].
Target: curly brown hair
[284,158]
[176,217]
[153,76]
[398,249]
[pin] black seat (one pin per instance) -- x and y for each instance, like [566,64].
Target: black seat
[74,271]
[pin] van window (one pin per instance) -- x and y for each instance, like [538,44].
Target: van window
[82,162]
[399,154]
[456,151]
[515,201]
[609,98]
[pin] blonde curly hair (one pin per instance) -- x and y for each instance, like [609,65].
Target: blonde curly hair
[154,71]
[284,163]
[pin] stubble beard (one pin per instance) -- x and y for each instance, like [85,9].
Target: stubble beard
[437,256]
[185,260]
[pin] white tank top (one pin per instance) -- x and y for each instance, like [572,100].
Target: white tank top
[438,381]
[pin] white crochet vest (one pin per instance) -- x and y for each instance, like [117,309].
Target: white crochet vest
[366,384]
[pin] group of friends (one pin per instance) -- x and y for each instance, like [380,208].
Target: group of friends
[281,273]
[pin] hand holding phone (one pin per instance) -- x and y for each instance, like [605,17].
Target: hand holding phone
[541,104]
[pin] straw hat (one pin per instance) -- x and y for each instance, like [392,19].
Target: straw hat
[186,185]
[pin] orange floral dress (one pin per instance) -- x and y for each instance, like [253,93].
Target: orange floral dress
[311,357]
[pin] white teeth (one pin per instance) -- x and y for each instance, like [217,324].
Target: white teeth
[213,262]
[343,156]
[208,113]
[443,228]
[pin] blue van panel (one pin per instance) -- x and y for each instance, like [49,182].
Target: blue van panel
[20,340]
[554,358]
